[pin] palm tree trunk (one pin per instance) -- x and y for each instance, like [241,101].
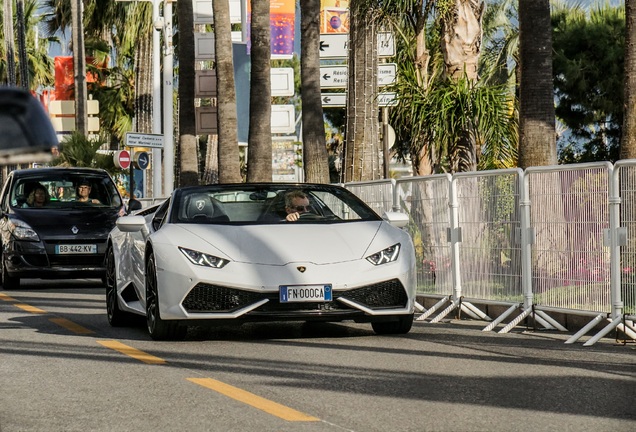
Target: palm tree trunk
[628,140]
[316,162]
[259,141]
[9,42]
[362,144]
[537,135]
[228,151]
[188,159]
[79,67]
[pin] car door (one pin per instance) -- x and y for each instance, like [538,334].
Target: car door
[138,242]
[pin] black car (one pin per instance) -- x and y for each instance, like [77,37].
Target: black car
[55,223]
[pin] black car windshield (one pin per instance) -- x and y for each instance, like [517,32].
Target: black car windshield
[268,203]
[65,190]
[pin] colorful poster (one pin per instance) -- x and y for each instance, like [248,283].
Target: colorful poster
[334,16]
[282,14]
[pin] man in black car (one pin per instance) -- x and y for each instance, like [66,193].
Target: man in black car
[84,191]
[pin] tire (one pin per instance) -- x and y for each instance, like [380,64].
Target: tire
[116,317]
[401,326]
[158,328]
[9,282]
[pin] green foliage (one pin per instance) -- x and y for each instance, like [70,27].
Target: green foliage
[588,68]
[76,150]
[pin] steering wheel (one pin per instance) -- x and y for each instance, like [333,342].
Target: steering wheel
[309,216]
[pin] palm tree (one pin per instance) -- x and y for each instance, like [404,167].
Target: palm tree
[229,161]
[259,141]
[315,156]
[628,140]
[537,136]
[189,174]
[362,144]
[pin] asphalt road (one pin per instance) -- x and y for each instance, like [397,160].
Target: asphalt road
[63,368]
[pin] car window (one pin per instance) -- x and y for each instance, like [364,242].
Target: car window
[62,190]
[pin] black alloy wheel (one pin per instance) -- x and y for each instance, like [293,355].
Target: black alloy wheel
[8,282]
[401,326]
[116,317]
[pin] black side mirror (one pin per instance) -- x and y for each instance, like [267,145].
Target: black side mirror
[134,205]
[26,132]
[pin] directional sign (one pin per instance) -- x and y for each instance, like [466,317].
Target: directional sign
[334,45]
[144,140]
[142,160]
[333,99]
[337,76]
[333,76]
[387,99]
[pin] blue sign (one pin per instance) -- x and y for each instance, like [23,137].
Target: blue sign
[142,160]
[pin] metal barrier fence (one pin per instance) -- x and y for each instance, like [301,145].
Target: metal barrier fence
[547,239]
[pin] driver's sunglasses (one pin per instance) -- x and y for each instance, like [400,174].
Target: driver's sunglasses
[302,208]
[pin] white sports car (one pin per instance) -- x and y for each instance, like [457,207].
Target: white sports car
[260,251]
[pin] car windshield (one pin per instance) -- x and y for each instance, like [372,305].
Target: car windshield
[267,204]
[65,190]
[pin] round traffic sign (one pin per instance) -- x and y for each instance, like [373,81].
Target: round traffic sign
[122,159]
[142,160]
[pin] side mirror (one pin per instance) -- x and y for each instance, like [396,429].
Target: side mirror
[134,205]
[130,223]
[26,132]
[397,219]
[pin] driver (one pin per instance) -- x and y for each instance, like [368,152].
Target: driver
[83,192]
[296,203]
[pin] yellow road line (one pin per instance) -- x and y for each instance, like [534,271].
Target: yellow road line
[6,297]
[29,308]
[263,404]
[70,325]
[132,352]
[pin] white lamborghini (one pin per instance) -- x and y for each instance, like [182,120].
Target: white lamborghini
[260,251]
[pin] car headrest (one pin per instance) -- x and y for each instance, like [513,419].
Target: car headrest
[200,205]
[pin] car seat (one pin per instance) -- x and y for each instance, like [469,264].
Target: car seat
[202,209]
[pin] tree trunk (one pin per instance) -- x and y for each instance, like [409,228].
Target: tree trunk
[628,140]
[144,85]
[461,41]
[362,144]
[188,160]
[79,67]
[537,135]
[229,163]
[316,162]
[259,141]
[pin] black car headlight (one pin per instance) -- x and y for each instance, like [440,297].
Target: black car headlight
[22,230]
[203,259]
[387,255]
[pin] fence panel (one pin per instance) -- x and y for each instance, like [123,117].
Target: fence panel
[426,201]
[569,212]
[627,190]
[489,218]
[376,194]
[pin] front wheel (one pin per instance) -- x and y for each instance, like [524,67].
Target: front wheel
[158,328]
[116,317]
[8,282]
[401,326]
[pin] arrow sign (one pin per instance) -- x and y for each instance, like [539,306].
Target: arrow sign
[333,99]
[334,45]
[337,76]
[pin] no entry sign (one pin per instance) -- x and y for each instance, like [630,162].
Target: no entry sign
[122,159]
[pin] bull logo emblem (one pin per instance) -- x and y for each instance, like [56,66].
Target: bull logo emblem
[200,204]
[301,269]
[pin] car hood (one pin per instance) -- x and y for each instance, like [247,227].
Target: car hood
[287,243]
[59,223]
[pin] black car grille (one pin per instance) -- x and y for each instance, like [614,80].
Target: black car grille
[41,260]
[212,298]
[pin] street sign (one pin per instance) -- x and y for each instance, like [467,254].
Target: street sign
[122,159]
[144,140]
[333,76]
[387,99]
[282,81]
[334,45]
[386,44]
[387,74]
[333,100]
[337,76]
[142,160]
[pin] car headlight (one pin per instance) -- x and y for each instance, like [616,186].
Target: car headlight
[22,230]
[387,255]
[203,259]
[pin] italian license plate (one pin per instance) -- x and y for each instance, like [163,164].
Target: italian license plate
[305,293]
[76,249]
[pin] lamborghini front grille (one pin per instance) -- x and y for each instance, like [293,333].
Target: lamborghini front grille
[214,298]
